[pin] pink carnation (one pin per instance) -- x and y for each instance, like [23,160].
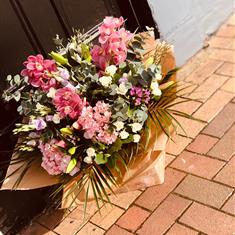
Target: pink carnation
[68,102]
[54,161]
[39,71]
[113,40]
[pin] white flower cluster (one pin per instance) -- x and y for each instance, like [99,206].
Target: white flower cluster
[124,134]
[155,86]
[107,79]
[90,155]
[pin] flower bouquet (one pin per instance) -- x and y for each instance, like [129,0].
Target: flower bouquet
[95,114]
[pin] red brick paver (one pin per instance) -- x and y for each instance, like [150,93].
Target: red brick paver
[230,205]
[178,229]
[153,196]
[91,229]
[133,218]
[107,216]
[222,122]
[209,221]
[115,230]
[226,30]
[227,174]
[204,191]
[214,105]
[197,164]
[227,69]
[204,71]
[164,216]
[225,147]
[202,144]
[198,195]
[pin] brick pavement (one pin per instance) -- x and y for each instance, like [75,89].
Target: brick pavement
[198,195]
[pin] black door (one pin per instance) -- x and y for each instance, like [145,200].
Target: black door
[27,27]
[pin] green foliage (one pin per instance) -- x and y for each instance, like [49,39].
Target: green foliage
[86,52]
[162,112]
[66,131]
[72,150]
[101,158]
[71,165]
[59,58]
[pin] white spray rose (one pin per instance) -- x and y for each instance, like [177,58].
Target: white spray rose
[88,160]
[121,89]
[90,152]
[158,77]
[136,127]
[105,81]
[125,75]
[136,138]
[123,134]
[31,143]
[155,89]
[111,70]
[119,125]
[56,118]
[51,93]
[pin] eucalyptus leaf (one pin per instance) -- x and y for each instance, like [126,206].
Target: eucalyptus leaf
[17,96]
[17,79]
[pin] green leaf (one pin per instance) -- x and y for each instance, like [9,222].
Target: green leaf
[72,150]
[86,52]
[66,131]
[116,146]
[129,112]
[128,140]
[59,58]
[71,165]
[100,158]
[149,61]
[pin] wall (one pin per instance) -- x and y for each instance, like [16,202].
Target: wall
[186,23]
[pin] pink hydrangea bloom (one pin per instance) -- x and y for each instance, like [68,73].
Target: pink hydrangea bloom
[113,43]
[54,161]
[68,102]
[39,72]
[94,121]
[107,137]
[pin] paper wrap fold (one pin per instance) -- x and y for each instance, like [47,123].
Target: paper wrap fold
[147,169]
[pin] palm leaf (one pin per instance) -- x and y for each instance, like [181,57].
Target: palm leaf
[169,74]
[99,182]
